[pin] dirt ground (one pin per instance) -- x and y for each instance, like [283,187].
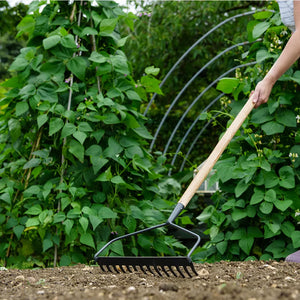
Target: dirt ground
[223,280]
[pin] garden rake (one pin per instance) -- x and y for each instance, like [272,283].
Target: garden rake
[173,265]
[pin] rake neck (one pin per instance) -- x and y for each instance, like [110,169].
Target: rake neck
[175,213]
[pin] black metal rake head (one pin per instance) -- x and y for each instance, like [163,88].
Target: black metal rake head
[167,265]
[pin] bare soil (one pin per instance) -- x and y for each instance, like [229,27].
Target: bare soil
[223,280]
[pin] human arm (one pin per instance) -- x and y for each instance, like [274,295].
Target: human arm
[287,58]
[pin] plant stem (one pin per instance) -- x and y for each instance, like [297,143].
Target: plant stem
[63,160]
[94,48]
[35,146]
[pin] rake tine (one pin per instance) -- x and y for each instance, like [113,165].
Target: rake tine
[101,267]
[170,268]
[165,271]
[122,269]
[128,268]
[193,269]
[149,269]
[115,268]
[143,269]
[109,269]
[135,268]
[187,271]
[179,271]
[157,270]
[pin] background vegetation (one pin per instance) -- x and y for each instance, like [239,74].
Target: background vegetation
[76,169]
[257,213]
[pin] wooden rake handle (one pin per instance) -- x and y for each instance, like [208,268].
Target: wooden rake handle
[216,153]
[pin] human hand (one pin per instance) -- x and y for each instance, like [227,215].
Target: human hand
[261,93]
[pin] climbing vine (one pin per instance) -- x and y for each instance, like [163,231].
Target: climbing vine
[74,165]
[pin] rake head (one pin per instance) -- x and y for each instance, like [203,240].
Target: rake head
[169,266]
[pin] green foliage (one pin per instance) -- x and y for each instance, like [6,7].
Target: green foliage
[163,32]
[256,213]
[74,165]
[10,47]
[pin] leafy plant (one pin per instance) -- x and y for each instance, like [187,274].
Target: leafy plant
[75,170]
[254,216]
[186,22]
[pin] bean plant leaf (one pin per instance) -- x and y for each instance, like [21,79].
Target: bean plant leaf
[118,180]
[98,57]
[272,127]
[287,228]
[34,162]
[117,248]
[143,132]
[77,65]
[68,41]
[270,196]
[227,85]
[222,247]
[47,91]
[152,71]
[261,116]
[96,17]
[296,239]
[260,28]
[51,41]
[68,226]
[283,205]
[68,129]
[76,149]
[32,222]
[107,26]
[95,221]
[80,136]
[130,223]
[59,217]
[34,210]
[47,244]
[241,187]
[18,230]
[257,196]
[88,31]
[238,214]
[21,108]
[287,177]
[14,128]
[19,64]
[286,118]
[262,15]
[55,125]
[107,213]
[246,244]
[84,223]
[41,120]
[264,54]
[87,239]
[266,207]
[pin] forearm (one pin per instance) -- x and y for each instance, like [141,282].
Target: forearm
[288,57]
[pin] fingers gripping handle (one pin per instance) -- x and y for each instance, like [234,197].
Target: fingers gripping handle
[216,153]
